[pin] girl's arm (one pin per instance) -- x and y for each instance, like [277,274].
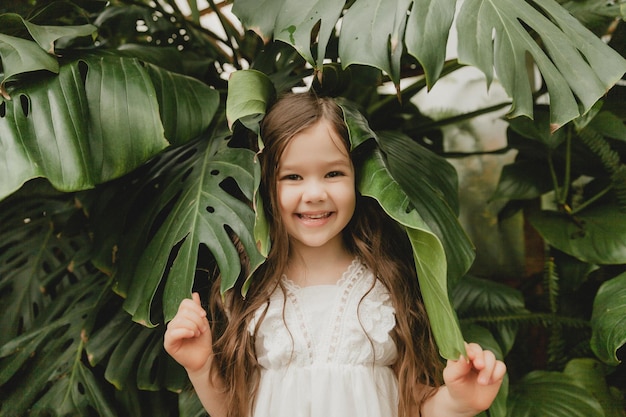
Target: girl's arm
[189,341]
[470,385]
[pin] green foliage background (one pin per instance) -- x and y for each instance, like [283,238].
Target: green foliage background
[127,167]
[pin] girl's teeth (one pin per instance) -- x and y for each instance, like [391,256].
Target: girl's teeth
[315,216]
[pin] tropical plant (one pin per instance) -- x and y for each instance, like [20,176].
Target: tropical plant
[123,186]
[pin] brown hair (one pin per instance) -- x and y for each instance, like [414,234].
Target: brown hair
[373,236]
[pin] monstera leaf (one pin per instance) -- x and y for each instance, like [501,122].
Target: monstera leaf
[577,66]
[194,197]
[19,55]
[100,118]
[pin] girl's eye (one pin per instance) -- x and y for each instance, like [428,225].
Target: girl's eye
[292,177]
[334,174]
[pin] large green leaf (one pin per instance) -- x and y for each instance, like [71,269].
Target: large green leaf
[204,193]
[59,127]
[591,374]
[431,184]
[186,106]
[375,30]
[595,235]
[475,298]
[429,181]
[576,65]
[375,180]
[551,394]
[19,56]
[608,320]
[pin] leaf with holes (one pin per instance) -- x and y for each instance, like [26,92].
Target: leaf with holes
[577,67]
[97,120]
[203,201]
[45,36]
[19,56]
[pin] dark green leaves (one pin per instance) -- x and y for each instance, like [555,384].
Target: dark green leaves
[609,320]
[60,127]
[21,55]
[430,259]
[196,196]
[596,235]
[551,394]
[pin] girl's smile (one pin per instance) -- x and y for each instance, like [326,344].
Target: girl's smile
[315,187]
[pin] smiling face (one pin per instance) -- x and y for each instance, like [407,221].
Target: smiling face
[315,188]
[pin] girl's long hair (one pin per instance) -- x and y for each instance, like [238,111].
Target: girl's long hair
[372,235]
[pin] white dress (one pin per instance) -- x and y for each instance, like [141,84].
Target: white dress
[322,363]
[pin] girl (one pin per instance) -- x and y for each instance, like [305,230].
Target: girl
[333,324]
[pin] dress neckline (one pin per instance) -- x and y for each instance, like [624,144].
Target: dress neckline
[348,275]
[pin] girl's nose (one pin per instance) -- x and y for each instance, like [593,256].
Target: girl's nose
[314,191]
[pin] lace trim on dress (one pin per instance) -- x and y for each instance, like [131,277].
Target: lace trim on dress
[349,273]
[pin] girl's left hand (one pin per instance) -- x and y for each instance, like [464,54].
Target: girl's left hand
[474,382]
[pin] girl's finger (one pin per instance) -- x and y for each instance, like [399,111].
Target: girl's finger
[196,299]
[488,366]
[194,306]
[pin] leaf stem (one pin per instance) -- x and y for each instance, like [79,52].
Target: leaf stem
[591,200]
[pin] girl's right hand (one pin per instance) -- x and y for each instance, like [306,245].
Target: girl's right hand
[188,336]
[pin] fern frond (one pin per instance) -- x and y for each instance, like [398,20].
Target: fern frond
[551,284]
[529,319]
[610,160]
[618,179]
[600,147]
[556,348]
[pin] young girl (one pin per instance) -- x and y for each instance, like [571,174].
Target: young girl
[333,324]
